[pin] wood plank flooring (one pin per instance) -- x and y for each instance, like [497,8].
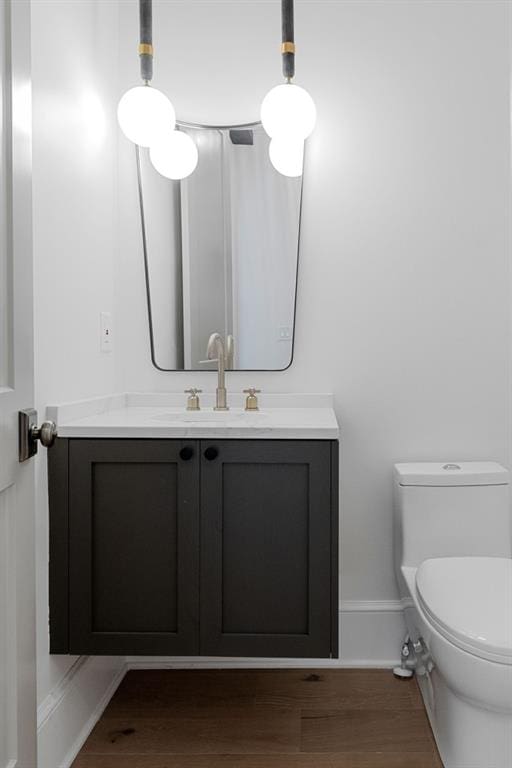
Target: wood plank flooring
[300,718]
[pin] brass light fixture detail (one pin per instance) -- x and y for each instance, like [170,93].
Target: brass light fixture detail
[288,113]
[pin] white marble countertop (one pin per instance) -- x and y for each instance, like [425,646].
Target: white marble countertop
[163,415]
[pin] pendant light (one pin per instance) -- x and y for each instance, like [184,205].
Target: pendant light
[286,156]
[145,113]
[288,112]
[175,155]
[147,117]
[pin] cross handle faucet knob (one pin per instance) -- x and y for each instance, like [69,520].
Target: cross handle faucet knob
[193,399]
[251,401]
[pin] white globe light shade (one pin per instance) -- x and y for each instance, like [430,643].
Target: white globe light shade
[288,110]
[175,156]
[287,156]
[145,114]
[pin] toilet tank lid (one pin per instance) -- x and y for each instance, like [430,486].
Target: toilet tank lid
[452,473]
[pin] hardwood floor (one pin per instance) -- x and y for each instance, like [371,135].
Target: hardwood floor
[301,718]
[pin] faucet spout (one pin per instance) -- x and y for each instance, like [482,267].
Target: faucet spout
[215,351]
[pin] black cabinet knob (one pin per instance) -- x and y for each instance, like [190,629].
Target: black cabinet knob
[186,453]
[211,453]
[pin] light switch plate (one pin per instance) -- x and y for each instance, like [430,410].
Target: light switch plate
[106,338]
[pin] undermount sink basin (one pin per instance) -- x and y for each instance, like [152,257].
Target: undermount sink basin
[209,416]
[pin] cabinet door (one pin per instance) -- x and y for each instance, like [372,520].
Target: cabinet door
[133,546]
[266,558]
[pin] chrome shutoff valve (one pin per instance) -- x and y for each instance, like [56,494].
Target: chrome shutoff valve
[404,671]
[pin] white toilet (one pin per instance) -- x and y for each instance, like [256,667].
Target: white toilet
[453,556]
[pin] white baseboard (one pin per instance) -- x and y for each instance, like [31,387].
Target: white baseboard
[69,713]
[371,634]
[370,606]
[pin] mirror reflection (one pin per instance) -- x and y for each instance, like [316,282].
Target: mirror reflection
[221,253]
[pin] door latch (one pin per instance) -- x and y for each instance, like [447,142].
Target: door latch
[30,433]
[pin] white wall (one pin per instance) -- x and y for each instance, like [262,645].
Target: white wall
[75,237]
[404,285]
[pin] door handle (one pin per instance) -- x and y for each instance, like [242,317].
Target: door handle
[186,453]
[211,453]
[30,433]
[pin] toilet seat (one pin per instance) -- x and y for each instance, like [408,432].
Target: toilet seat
[469,601]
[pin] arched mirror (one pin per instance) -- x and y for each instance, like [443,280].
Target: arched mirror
[221,252]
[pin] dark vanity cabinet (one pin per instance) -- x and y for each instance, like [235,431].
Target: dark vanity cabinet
[124,555]
[194,547]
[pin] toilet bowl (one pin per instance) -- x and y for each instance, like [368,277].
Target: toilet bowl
[453,557]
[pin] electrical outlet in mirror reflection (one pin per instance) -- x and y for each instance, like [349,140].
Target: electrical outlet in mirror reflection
[284,333]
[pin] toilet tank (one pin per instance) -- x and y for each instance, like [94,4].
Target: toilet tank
[453,509]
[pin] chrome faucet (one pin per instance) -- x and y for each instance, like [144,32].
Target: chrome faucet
[216,353]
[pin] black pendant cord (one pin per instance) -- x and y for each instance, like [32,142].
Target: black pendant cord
[288,39]
[146,39]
